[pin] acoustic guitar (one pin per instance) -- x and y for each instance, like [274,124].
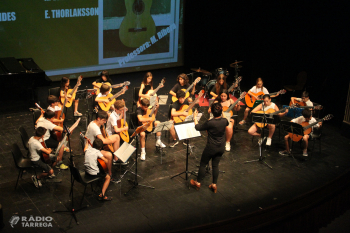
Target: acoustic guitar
[105,135]
[187,108]
[110,99]
[64,141]
[308,128]
[150,114]
[121,123]
[174,99]
[69,96]
[101,162]
[154,92]
[270,113]
[250,100]
[228,110]
[138,25]
[301,104]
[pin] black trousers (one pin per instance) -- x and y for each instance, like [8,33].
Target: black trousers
[215,156]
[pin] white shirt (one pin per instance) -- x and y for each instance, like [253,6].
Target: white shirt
[92,131]
[272,106]
[301,119]
[256,90]
[55,109]
[112,121]
[91,164]
[43,122]
[34,149]
[308,103]
[101,95]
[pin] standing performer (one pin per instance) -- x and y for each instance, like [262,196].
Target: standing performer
[182,80]
[215,145]
[306,117]
[257,88]
[146,85]
[267,105]
[64,88]
[219,86]
[225,101]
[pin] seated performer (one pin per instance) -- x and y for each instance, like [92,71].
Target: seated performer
[304,99]
[215,145]
[141,111]
[117,114]
[92,169]
[146,85]
[267,105]
[256,89]
[306,117]
[51,142]
[94,131]
[219,86]
[176,107]
[55,106]
[182,80]
[104,78]
[225,101]
[35,147]
[104,91]
[64,88]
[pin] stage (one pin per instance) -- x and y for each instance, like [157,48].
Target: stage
[244,190]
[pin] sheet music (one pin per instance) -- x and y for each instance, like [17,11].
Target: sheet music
[185,131]
[124,152]
[152,100]
[163,99]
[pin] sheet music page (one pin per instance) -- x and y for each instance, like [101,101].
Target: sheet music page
[152,100]
[185,131]
[190,117]
[124,152]
[163,99]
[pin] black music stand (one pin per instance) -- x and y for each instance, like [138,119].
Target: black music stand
[124,153]
[265,119]
[186,136]
[294,129]
[136,134]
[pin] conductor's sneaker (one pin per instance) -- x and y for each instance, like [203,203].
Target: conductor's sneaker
[159,143]
[39,183]
[143,156]
[35,181]
[174,144]
[63,167]
[228,146]
[284,153]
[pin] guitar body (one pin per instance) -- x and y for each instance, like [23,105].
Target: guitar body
[180,119]
[224,109]
[102,165]
[299,103]
[69,99]
[98,85]
[138,25]
[297,138]
[150,127]
[123,134]
[45,156]
[105,135]
[250,100]
[106,106]
[261,125]
[58,133]
[174,99]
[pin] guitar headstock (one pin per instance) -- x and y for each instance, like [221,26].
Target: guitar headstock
[79,79]
[242,95]
[328,117]
[201,93]
[318,107]
[239,79]
[126,83]
[162,82]
[281,92]
[197,80]
[42,110]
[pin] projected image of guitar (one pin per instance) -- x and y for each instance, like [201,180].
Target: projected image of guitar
[250,100]
[138,25]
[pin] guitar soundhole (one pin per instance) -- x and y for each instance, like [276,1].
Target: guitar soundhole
[138,7]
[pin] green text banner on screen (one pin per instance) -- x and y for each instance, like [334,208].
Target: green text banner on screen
[83,37]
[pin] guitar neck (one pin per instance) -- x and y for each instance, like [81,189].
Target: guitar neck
[310,125]
[280,111]
[233,105]
[155,91]
[189,88]
[193,103]
[151,113]
[115,96]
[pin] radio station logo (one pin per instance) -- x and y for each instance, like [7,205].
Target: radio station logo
[37,221]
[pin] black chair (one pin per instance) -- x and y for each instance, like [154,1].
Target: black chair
[36,115]
[25,139]
[169,118]
[136,97]
[82,178]
[316,135]
[20,162]
[55,91]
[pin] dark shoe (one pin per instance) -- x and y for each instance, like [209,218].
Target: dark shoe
[213,188]
[195,184]
[104,198]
